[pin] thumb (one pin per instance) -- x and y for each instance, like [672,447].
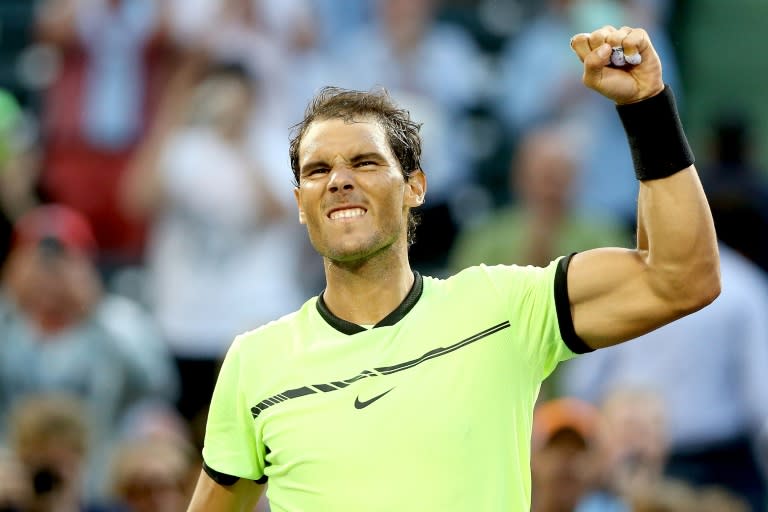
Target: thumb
[594,63]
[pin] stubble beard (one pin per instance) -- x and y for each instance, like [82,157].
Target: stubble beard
[353,254]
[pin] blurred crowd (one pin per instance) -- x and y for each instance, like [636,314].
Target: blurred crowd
[147,217]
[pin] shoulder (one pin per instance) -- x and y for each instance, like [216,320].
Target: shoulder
[276,336]
[497,279]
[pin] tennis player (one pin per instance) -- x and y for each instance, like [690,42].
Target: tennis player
[393,391]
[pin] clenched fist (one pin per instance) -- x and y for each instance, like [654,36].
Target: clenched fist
[627,84]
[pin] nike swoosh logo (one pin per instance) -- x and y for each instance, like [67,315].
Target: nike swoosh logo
[363,405]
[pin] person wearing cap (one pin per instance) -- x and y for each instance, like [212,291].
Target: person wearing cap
[563,454]
[61,332]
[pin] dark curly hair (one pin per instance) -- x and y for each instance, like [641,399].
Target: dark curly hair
[401,131]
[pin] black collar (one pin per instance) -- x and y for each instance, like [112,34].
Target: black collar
[398,313]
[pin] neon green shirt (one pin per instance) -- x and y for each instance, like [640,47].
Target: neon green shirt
[429,410]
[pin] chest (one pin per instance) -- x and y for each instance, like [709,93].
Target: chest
[388,407]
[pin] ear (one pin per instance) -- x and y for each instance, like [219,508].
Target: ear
[415,188]
[297,196]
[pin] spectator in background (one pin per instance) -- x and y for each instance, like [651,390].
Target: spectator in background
[716,403]
[19,168]
[15,488]
[718,76]
[154,475]
[115,57]
[633,439]
[541,223]
[155,465]
[632,448]
[436,71]
[49,435]
[737,189]
[337,16]
[717,499]
[223,254]
[666,496]
[529,96]
[275,41]
[563,456]
[60,332]
[676,496]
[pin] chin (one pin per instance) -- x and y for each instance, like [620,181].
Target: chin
[352,252]
[348,255]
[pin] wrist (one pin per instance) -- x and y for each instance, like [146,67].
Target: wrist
[655,134]
[648,95]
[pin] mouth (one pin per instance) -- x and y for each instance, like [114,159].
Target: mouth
[347,213]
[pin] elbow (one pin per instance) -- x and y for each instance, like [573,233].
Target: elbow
[710,284]
[706,294]
[687,287]
[698,289]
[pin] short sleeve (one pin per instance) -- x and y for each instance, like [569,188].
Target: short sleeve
[233,445]
[532,294]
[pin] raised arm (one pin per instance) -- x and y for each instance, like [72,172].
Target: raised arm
[211,496]
[619,294]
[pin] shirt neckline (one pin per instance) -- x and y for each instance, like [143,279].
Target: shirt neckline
[346,327]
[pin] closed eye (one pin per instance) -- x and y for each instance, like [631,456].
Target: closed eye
[365,163]
[316,170]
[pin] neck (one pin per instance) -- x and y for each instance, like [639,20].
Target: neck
[364,292]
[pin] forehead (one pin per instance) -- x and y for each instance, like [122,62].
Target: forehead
[324,139]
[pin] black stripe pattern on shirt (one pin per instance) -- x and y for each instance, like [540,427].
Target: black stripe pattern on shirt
[375,372]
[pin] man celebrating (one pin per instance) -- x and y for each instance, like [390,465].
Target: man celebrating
[396,391]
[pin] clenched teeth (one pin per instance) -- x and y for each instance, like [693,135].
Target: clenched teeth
[347,213]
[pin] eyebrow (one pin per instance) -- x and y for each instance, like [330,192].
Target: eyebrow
[370,155]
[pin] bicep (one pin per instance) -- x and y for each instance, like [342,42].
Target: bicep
[210,496]
[612,297]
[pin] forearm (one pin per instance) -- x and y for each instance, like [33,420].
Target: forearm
[676,234]
[676,238]
[616,295]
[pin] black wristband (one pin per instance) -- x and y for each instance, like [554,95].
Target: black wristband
[656,139]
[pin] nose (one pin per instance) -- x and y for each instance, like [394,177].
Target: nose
[341,179]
